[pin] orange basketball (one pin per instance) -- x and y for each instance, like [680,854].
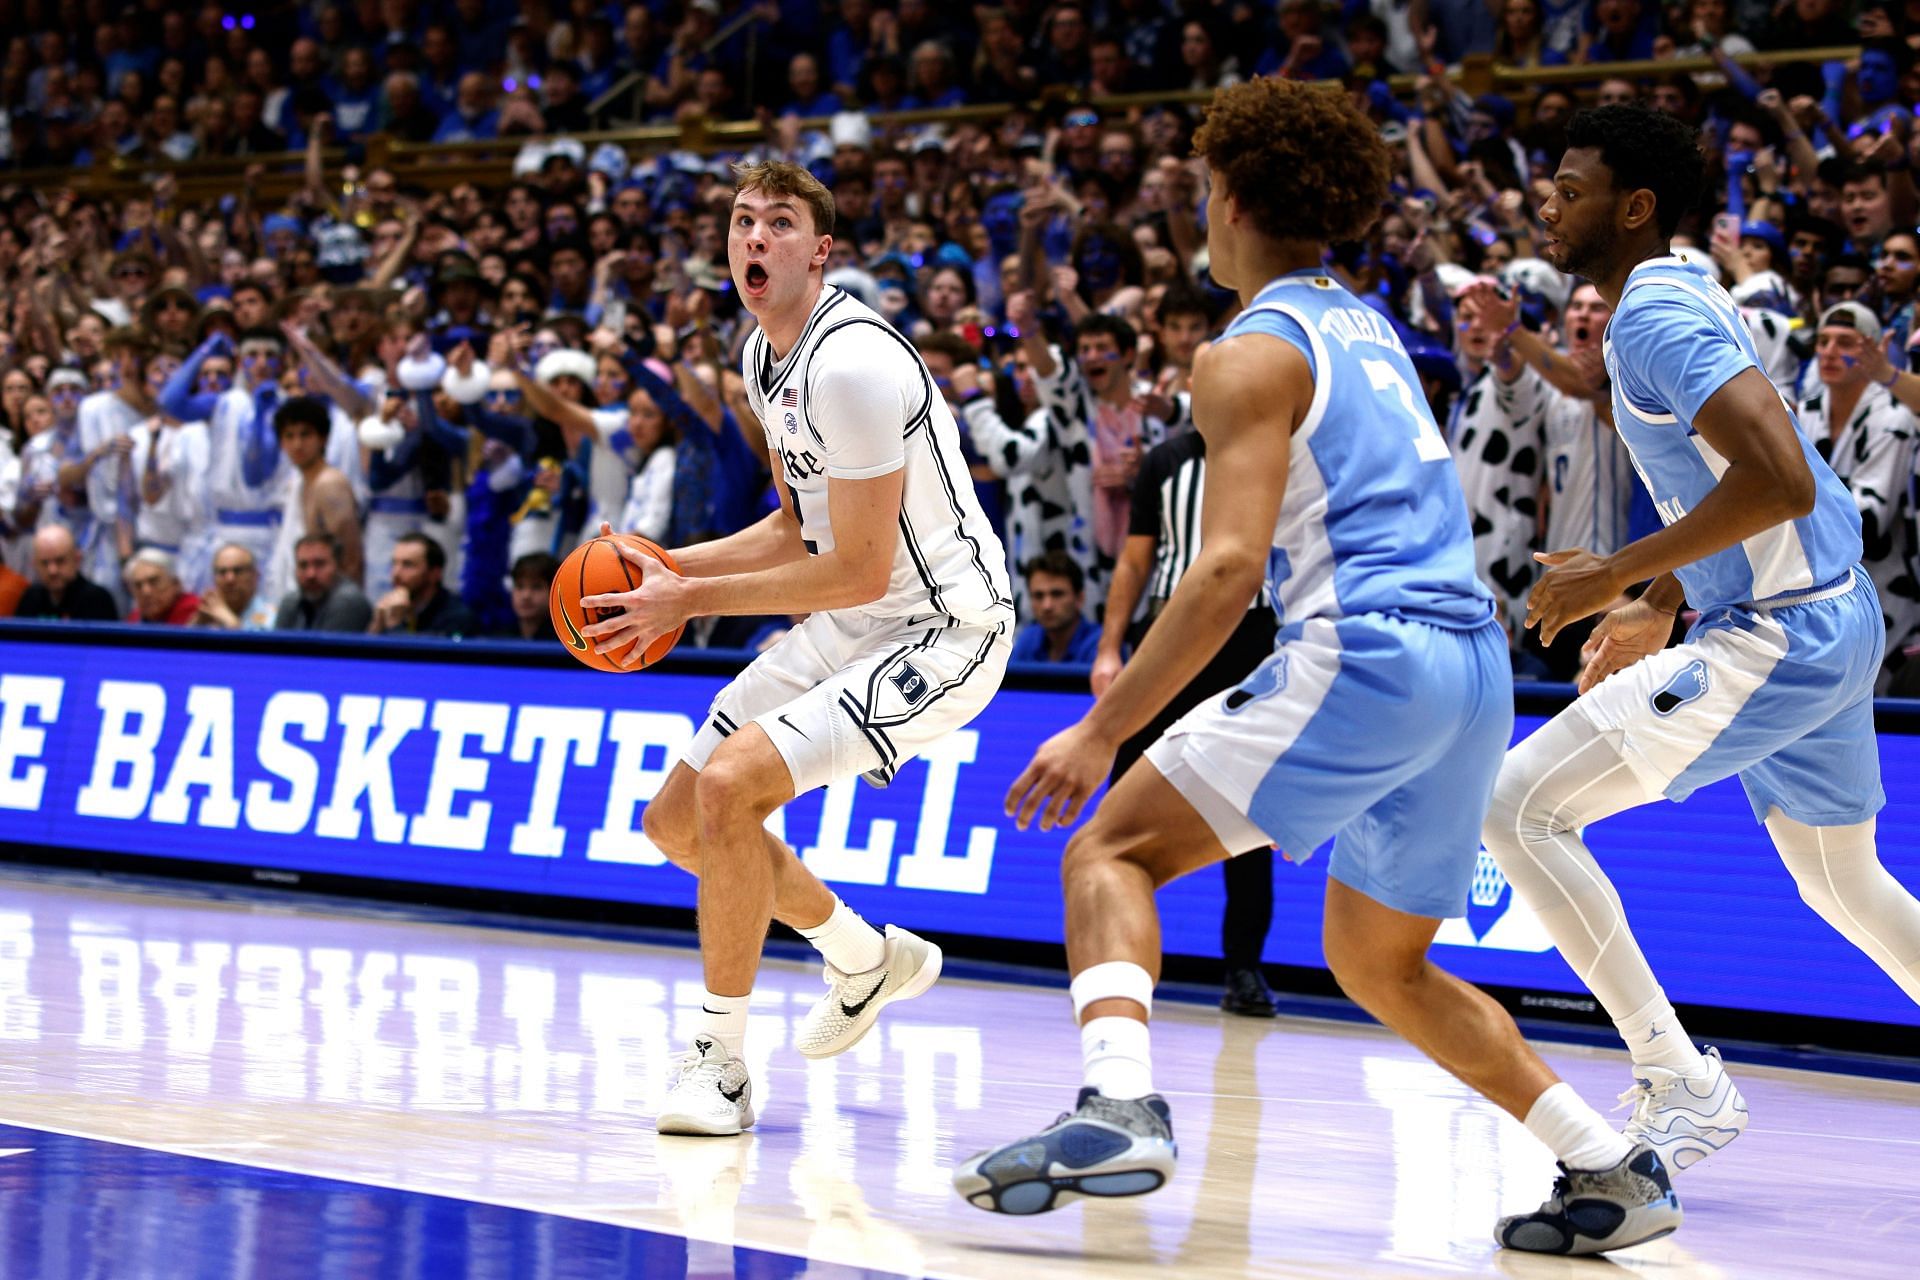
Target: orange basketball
[595,568]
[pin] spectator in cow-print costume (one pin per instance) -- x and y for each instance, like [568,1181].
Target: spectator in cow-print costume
[1499,457]
[1009,432]
[1586,496]
[1097,430]
[1868,438]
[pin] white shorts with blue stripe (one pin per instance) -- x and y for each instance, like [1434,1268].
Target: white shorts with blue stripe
[1384,733]
[847,693]
[1779,693]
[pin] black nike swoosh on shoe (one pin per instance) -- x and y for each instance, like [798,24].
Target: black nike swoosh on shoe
[735,1095]
[854,1010]
[791,725]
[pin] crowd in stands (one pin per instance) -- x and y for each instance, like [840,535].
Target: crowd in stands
[381,406]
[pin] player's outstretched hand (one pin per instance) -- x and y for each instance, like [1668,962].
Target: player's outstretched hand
[1063,774]
[1628,634]
[644,614]
[1578,584]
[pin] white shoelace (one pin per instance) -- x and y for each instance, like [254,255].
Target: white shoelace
[1645,1097]
[692,1065]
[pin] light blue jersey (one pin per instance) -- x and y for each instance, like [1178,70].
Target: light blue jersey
[1382,714]
[1675,339]
[1373,520]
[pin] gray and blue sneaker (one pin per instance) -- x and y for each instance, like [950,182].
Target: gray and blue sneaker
[1596,1210]
[1105,1147]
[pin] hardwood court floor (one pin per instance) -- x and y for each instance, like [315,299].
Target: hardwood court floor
[521,1069]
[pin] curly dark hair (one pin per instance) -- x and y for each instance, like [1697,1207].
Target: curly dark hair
[1645,150]
[1300,158]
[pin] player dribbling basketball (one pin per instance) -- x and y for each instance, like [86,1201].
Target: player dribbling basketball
[880,539]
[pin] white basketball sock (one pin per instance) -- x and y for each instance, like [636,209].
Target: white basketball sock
[1574,1131]
[1118,1057]
[1656,1039]
[847,942]
[724,1018]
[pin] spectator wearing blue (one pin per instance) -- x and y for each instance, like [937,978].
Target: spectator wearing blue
[1065,59]
[479,34]
[805,94]
[439,69]
[473,118]
[1060,631]
[355,95]
[931,78]
[1461,27]
[596,58]
[1301,52]
[1758,270]
[847,44]
[1621,31]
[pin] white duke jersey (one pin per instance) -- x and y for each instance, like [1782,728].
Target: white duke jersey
[1674,341]
[1373,520]
[853,400]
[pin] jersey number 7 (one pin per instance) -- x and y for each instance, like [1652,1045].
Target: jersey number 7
[1427,442]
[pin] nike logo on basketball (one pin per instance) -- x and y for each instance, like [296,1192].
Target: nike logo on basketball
[574,637]
[853,1010]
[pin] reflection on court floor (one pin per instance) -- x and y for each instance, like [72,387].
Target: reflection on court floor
[378,1092]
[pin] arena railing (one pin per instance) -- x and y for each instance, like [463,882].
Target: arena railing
[441,165]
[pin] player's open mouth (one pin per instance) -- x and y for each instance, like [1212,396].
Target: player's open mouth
[756,278]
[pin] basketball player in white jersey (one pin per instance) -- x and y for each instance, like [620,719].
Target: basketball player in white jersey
[881,541]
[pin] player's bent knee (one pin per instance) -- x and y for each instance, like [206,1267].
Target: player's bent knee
[668,823]
[730,786]
[1508,822]
[1098,849]
[1369,973]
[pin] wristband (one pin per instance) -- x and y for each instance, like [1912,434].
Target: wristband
[1891,379]
[1508,331]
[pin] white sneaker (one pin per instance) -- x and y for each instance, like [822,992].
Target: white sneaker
[854,1000]
[711,1094]
[1685,1118]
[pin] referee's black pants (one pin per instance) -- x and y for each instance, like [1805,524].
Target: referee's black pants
[1249,877]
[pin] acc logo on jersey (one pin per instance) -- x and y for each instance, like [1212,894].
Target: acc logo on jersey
[793,425]
[911,684]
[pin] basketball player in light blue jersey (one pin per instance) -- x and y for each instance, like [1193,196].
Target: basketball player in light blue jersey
[1774,683]
[1378,720]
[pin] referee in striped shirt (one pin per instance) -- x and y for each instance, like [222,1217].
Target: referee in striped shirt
[1163,536]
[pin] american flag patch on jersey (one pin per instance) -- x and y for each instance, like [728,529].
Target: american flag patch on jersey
[790,398]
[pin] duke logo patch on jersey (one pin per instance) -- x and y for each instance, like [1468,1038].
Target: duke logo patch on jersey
[911,684]
[1688,683]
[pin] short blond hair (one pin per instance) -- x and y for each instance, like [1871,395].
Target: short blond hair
[791,182]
